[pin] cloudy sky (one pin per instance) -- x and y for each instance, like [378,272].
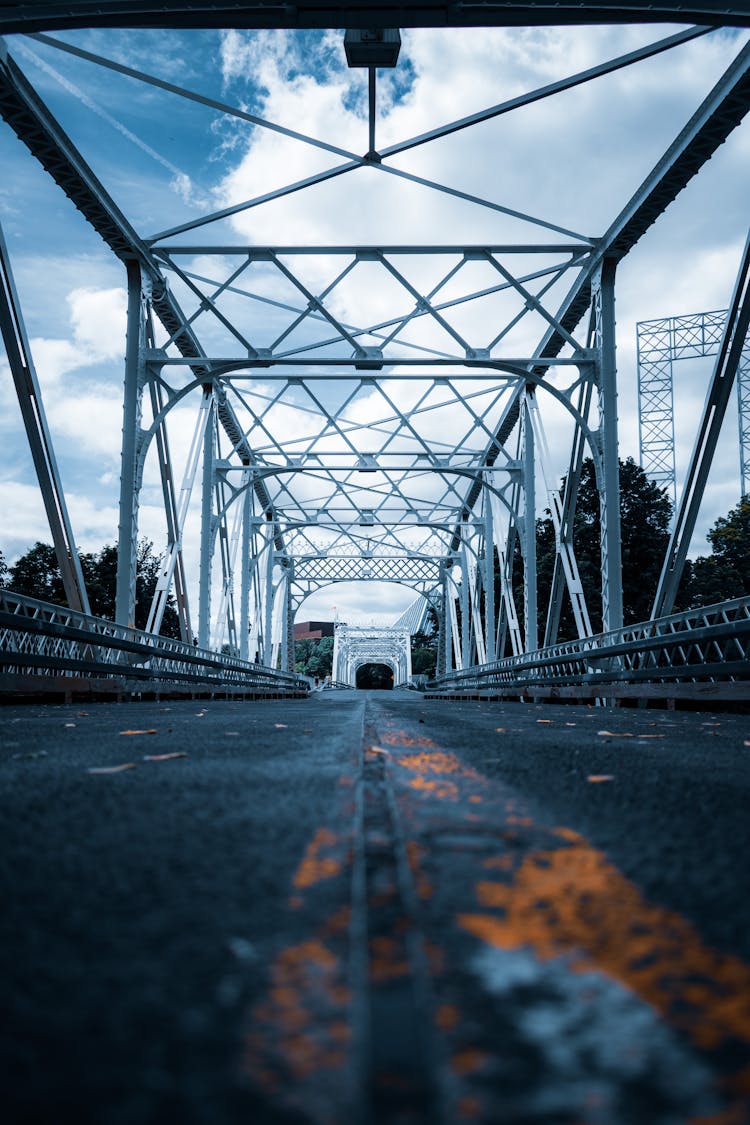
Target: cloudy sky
[573,160]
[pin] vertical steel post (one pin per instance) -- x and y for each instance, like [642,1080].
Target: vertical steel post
[608,464]
[489,579]
[440,609]
[465,603]
[268,599]
[127,530]
[207,532]
[530,619]
[290,650]
[287,636]
[743,416]
[448,620]
[247,513]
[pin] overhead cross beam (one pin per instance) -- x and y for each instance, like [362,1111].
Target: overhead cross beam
[37,15]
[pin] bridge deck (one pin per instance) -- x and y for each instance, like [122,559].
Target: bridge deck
[368,907]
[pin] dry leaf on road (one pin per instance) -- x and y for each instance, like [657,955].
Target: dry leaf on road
[111,769]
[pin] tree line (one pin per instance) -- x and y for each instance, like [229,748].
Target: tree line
[645,515]
[36,574]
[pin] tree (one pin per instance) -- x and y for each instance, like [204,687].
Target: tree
[37,575]
[3,570]
[725,573]
[314,657]
[424,653]
[645,512]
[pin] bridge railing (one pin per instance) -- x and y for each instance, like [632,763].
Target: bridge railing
[699,652]
[44,646]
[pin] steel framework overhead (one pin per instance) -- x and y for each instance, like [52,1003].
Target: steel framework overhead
[33,15]
[661,343]
[337,438]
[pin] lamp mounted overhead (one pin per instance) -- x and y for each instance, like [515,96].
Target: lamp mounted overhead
[377,47]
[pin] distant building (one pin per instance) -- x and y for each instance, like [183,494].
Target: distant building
[312,630]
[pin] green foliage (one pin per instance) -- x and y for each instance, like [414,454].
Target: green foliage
[314,657]
[645,512]
[37,575]
[424,652]
[3,570]
[725,573]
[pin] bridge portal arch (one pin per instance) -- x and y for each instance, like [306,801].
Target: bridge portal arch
[355,646]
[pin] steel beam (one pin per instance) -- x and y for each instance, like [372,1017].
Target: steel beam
[207,530]
[719,391]
[29,396]
[606,456]
[37,15]
[530,616]
[127,533]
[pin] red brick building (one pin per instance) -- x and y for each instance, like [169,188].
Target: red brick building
[312,630]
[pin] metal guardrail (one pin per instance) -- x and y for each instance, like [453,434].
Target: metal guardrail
[46,647]
[696,653]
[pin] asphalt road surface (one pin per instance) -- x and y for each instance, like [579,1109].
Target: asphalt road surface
[370,908]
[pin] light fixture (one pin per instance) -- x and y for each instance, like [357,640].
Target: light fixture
[377,47]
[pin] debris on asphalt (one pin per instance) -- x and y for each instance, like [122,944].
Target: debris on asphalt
[111,769]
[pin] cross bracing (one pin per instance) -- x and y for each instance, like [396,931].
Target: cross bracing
[370,410]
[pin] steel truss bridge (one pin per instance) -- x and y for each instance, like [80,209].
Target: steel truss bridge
[338,438]
[354,646]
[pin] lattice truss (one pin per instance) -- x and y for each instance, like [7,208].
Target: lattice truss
[354,646]
[661,343]
[366,411]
